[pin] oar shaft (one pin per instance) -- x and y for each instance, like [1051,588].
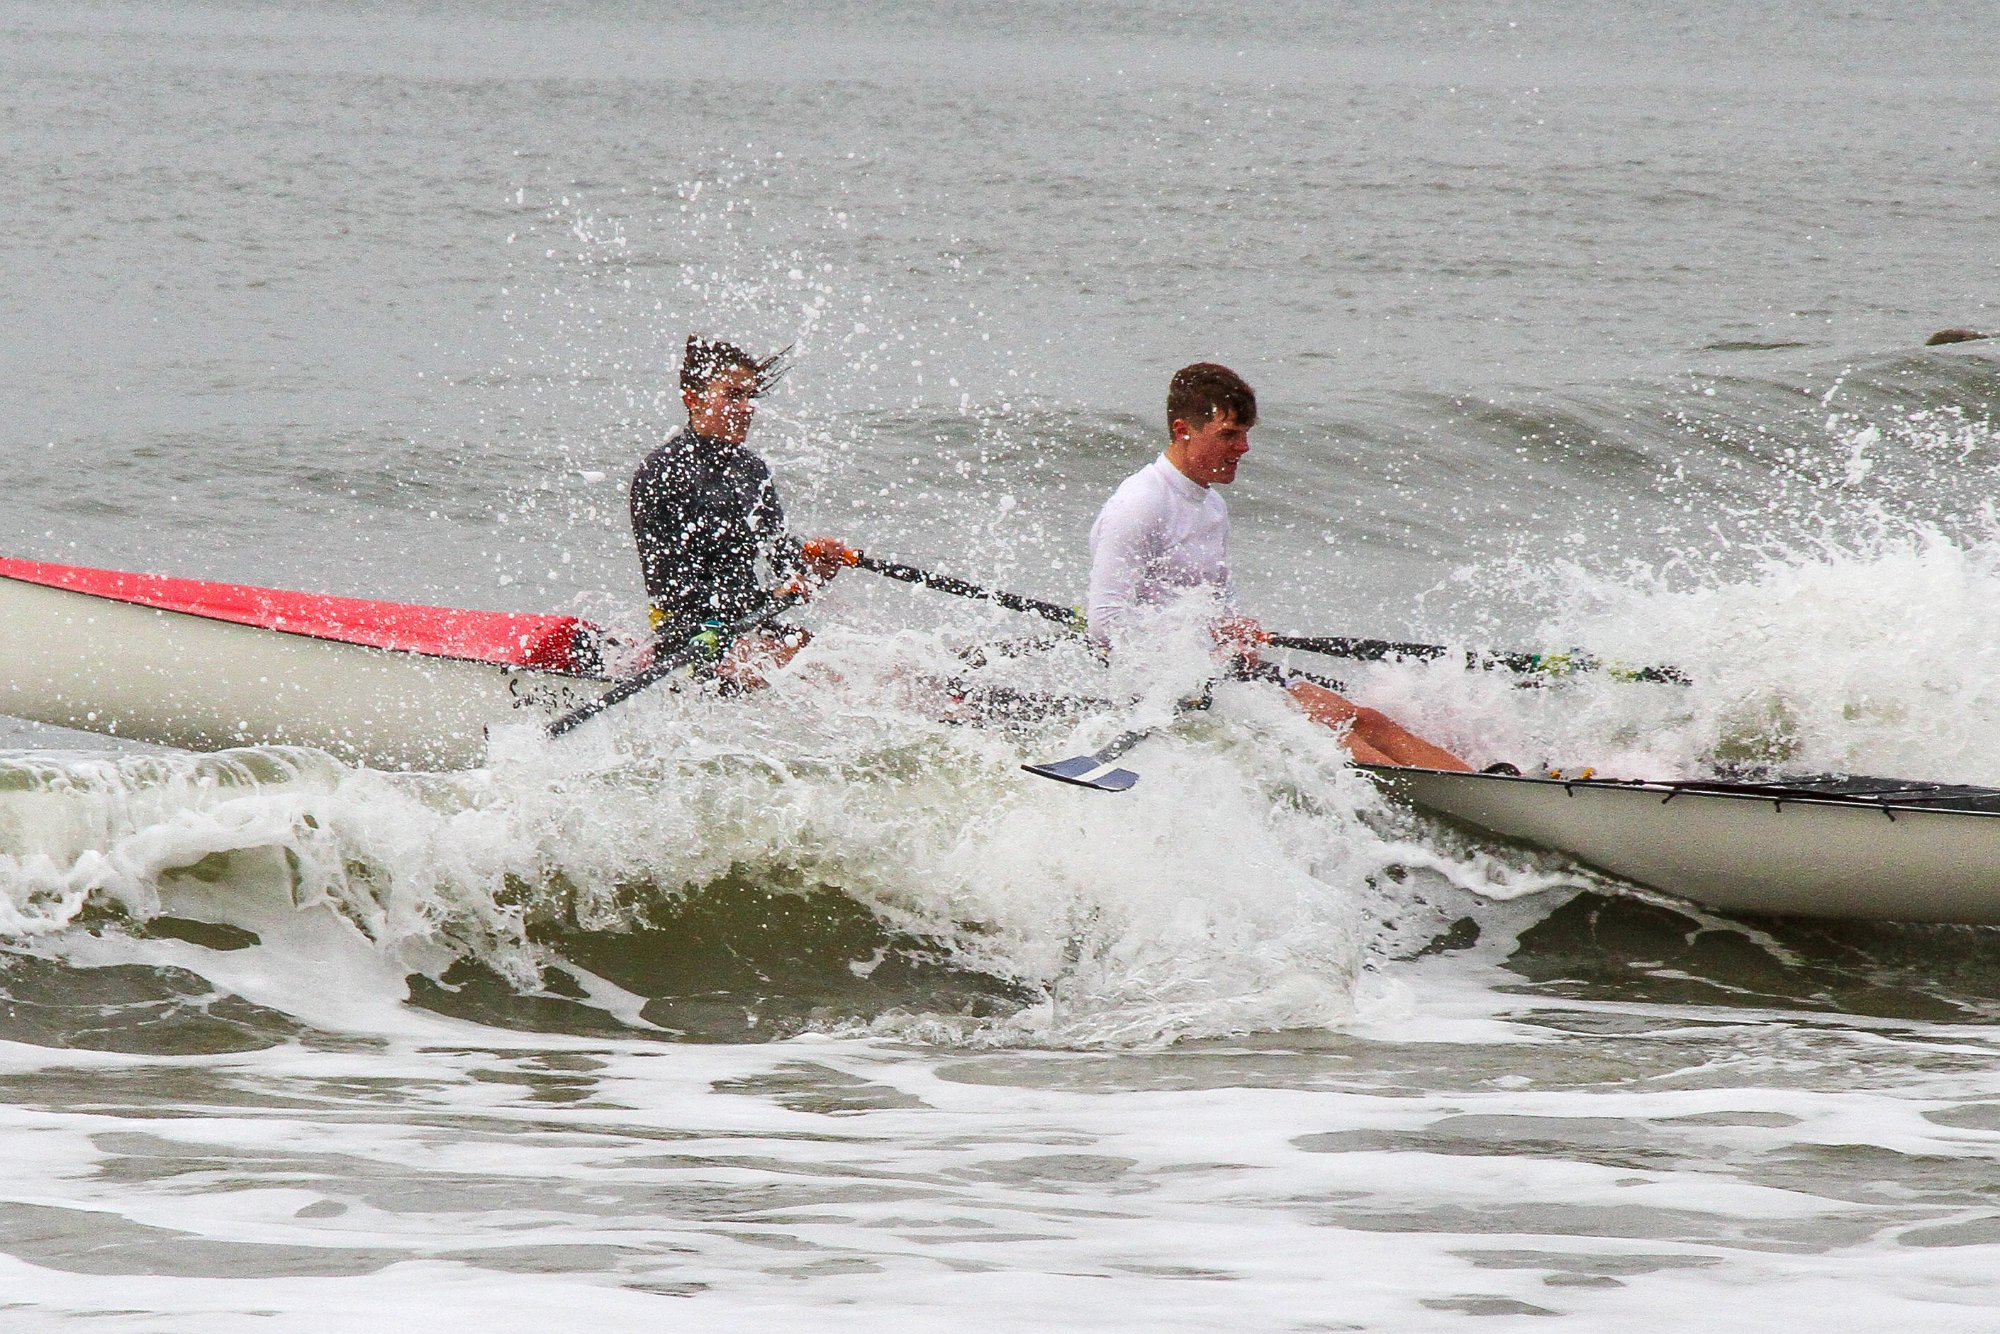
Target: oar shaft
[1121,743]
[945,583]
[1364,650]
[1389,650]
[1337,646]
[667,666]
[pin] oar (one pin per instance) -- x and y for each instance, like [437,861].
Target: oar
[696,649]
[1098,770]
[1338,646]
[1545,664]
[945,583]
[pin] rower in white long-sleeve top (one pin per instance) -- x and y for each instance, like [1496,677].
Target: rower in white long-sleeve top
[1164,537]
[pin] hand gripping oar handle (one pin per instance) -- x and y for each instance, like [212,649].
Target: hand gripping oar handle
[1546,664]
[944,583]
[660,668]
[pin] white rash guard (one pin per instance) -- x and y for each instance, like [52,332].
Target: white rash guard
[1159,537]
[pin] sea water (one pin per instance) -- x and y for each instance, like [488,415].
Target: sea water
[1572,326]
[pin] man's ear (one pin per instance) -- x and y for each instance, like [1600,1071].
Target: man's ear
[1178,430]
[689,398]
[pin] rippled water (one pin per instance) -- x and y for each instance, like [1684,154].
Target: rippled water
[1572,325]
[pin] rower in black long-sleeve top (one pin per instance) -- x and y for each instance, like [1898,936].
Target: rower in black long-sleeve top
[704,510]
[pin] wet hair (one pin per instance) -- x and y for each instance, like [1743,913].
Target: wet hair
[1204,391]
[708,358]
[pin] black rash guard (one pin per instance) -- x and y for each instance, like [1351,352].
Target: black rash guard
[703,510]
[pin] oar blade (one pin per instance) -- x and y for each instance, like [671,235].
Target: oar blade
[1086,771]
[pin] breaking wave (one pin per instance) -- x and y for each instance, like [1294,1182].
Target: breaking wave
[836,854]
[818,856]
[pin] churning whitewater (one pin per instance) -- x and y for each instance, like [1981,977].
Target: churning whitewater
[891,870]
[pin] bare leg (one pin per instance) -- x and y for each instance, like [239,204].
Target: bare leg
[1373,737]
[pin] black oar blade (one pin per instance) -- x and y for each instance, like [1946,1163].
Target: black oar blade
[1086,771]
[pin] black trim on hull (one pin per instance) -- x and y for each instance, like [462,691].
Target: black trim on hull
[1886,794]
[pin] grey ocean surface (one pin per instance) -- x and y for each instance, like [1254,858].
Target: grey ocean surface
[1571,324]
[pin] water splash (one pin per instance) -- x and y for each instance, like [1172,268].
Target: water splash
[1239,889]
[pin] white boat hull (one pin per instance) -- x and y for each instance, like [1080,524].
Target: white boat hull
[1742,851]
[102,665]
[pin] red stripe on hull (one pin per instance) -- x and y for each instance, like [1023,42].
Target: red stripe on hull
[512,638]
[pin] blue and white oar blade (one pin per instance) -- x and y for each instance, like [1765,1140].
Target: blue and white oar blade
[1075,767]
[1086,771]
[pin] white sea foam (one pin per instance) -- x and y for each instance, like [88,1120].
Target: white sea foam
[1236,890]
[1868,652]
[830,1183]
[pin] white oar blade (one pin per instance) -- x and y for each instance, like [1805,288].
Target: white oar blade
[1086,771]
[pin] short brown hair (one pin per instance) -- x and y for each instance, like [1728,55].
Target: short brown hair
[1199,393]
[708,358]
